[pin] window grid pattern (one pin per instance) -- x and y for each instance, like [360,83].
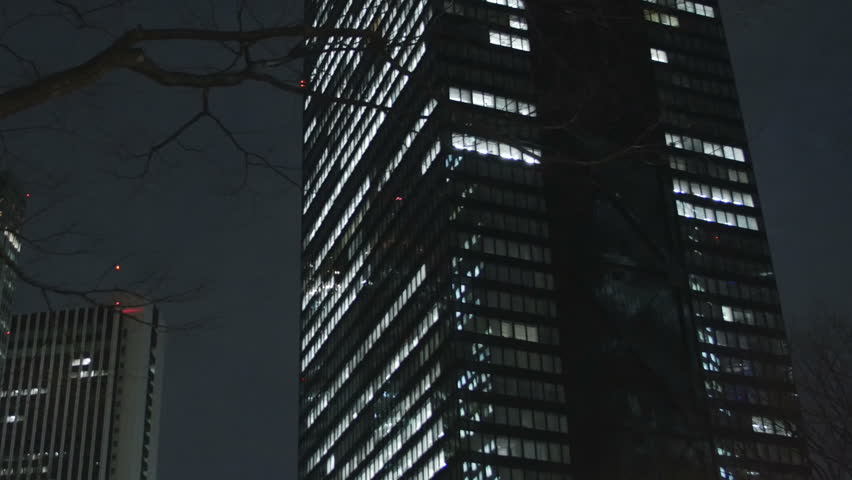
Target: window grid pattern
[740,334]
[687,6]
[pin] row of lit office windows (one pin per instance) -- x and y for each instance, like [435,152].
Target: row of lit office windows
[717,194]
[713,215]
[519,4]
[661,18]
[489,100]
[742,341]
[484,146]
[746,316]
[687,6]
[703,146]
[725,418]
[773,426]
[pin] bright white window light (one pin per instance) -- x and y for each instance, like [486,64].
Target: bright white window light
[488,100]
[519,4]
[687,6]
[707,148]
[658,55]
[517,22]
[483,146]
[81,362]
[661,18]
[502,39]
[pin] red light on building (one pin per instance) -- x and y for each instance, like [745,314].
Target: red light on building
[132,310]
[398,199]
[118,267]
[118,303]
[303,83]
[8,332]
[28,195]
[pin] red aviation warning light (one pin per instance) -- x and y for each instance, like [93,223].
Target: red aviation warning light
[118,267]
[303,83]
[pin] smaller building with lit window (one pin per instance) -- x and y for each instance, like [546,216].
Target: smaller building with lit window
[80,397]
[11,216]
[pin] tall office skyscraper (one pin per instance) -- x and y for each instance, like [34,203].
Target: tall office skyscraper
[533,249]
[11,217]
[81,393]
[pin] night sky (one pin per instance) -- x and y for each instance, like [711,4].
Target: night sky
[231,381]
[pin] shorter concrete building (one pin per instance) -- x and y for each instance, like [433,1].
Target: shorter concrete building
[80,398]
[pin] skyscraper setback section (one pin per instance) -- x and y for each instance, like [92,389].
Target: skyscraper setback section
[533,249]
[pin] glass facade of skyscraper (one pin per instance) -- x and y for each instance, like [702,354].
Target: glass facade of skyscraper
[506,278]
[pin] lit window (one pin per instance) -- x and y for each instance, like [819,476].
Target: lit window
[658,55]
[772,426]
[516,42]
[519,4]
[708,148]
[686,6]
[488,100]
[464,141]
[718,194]
[661,18]
[711,215]
[81,362]
[517,22]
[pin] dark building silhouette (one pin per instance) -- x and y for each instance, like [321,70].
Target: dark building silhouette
[81,394]
[533,249]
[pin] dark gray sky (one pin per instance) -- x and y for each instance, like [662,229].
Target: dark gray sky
[231,385]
